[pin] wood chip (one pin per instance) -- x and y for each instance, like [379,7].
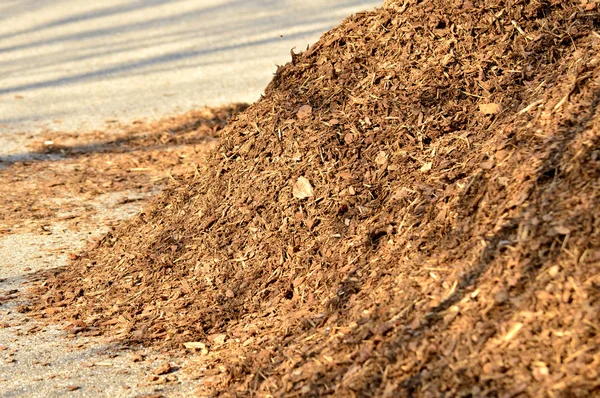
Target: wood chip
[163,369]
[195,344]
[490,109]
[302,189]
[304,112]
[395,278]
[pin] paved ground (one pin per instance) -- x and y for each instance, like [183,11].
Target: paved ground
[73,65]
[70,64]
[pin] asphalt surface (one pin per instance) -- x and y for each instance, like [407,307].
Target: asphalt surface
[72,64]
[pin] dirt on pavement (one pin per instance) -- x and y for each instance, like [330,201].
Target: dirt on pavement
[62,173]
[410,210]
[65,190]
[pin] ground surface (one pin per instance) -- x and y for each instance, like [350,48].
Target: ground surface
[73,66]
[410,210]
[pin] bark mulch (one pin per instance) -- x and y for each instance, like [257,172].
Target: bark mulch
[410,210]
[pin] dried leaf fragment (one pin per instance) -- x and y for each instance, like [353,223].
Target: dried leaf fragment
[304,112]
[302,189]
[426,167]
[381,158]
[218,339]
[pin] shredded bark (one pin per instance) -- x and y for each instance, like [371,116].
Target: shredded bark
[410,210]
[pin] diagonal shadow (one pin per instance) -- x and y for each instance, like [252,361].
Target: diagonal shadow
[165,58]
[124,28]
[137,142]
[85,16]
[108,49]
[131,27]
[19,7]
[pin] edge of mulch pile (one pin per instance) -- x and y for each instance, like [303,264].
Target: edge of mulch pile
[64,173]
[411,209]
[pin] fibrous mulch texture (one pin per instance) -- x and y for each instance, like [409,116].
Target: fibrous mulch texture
[410,210]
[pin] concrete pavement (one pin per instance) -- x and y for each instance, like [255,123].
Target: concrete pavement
[72,64]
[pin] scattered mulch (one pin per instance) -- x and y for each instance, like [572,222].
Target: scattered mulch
[66,173]
[410,210]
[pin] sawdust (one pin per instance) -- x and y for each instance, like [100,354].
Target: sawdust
[411,209]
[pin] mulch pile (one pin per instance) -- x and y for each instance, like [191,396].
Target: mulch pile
[410,210]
